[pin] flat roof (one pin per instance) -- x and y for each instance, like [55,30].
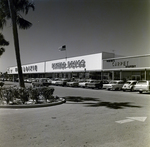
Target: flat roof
[136,56]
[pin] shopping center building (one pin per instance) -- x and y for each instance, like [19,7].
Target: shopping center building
[104,66]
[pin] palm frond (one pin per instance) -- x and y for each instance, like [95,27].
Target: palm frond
[19,6]
[2,23]
[23,6]
[23,24]
[3,42]
[4,13]
[2,50]
[28,6]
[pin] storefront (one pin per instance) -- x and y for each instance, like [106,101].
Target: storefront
[96,66]
[30,71]
[77,67]
[133,67]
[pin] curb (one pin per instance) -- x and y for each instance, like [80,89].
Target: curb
[34,106]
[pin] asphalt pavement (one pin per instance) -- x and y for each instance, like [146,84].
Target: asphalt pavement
[89,118]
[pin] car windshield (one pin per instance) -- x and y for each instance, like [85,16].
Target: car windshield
[128,82]
[113,82]
[93,81]
[142,82]
[44,80]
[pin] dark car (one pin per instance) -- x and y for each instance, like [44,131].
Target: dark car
[62,82]
[41,82]
[95,84]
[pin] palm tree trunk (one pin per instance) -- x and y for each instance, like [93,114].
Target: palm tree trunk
[16,43]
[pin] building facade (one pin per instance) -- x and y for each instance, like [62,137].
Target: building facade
[132,67]
[97,66]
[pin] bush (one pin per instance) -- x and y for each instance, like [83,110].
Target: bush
[17,95]
[34,94]
[39,93]
[1,84]
[47,92]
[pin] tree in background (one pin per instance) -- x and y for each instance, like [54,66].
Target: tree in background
[12,9]
[3,42]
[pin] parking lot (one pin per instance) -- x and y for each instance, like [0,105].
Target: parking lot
[89,118]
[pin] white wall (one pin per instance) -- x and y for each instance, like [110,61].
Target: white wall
[30,68]
[89,63]
[127,62]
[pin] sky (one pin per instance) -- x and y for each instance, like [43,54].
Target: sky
[84,26]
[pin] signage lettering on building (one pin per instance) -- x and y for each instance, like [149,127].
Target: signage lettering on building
[28,68]
[69,64]
[121,63]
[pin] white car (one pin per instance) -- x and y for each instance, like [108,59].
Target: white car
[142,86]
[62,82]
[114,85]
[129,85]
[72,83]
[83,84]
[53,81]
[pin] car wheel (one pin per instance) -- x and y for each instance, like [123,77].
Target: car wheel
[131,89]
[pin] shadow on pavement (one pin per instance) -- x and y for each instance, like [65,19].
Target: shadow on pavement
[80,99]
[95,102]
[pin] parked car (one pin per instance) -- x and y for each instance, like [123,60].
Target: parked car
[62,82]
[94,84]
[16,80]
[114,85]
[129,85]
[41,82]
[29,80]
[84,83]
[105,85]
[142,86]
[53,81]
[73,83]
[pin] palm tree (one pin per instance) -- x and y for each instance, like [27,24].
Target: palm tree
[3,42]
[10,9]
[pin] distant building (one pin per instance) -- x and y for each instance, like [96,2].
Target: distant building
[97,66]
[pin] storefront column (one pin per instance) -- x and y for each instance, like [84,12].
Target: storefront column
[120,74]
[112,75]
[13,78]
[84,73]
[101,75]
[145,75]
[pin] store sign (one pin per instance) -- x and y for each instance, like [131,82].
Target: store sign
[131,62]
[75,64]
[28,68]
[70,64]
[125,64]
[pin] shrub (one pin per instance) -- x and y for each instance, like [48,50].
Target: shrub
[8,94]
[47,92]
[1,84]
[18,95]
[23,94]
[34,94]
[38,93]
